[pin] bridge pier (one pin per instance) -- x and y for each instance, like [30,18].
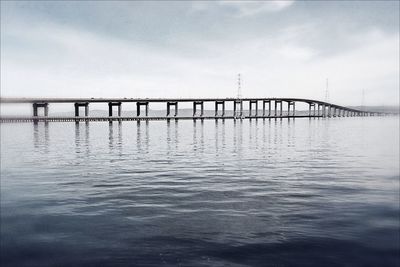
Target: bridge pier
[169,104]
[310,104]
[139,104]
[217,103]
[251,102]
[276,108]
[269,107]
[291,103]
[238,114]
[77,105]
[45,107]
[201,103]
[110,108]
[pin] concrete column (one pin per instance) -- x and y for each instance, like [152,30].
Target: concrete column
[194,109]
[250,104]
[314,110]
[76,105]
[147,109]
[288,109]
[35,109]
[202,109]
[269,108]
[294,109]
[223,108]
[263,108]
[281,109]
[216,108]
[241,108]
[137,109]
[110,112]
[276,107]
[46,110]
[87,110]
[119,110]
[168,109]
[309,109]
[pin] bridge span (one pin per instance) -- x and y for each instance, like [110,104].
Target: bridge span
[269,108]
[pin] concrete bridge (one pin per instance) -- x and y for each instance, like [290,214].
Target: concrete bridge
[270,108]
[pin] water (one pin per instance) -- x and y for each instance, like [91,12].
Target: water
[320,192]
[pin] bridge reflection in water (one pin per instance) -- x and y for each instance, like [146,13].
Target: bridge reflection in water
[270,108]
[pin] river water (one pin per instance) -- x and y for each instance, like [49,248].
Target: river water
[319,192]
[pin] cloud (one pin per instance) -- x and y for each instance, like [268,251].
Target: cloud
[242,8]
[48,58]
[248,8]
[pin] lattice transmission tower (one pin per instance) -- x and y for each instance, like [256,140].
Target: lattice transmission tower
[239,88]
[327,90]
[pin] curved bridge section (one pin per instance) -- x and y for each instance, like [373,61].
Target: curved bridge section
[243,108]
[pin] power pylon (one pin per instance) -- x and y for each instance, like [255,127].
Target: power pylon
[327,91]
[239,89]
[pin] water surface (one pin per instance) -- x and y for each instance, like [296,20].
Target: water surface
[319,192]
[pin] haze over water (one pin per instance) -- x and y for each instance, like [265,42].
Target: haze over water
[319,192]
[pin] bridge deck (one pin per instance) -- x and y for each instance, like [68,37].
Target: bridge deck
[16,100]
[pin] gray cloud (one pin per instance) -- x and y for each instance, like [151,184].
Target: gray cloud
[150,49]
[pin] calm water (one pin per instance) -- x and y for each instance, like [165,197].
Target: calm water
[252,193]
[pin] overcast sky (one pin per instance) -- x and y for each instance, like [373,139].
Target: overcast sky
[196,49]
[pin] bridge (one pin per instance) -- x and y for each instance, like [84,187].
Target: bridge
[270,108]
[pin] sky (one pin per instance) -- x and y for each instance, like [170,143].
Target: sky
[196,49]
